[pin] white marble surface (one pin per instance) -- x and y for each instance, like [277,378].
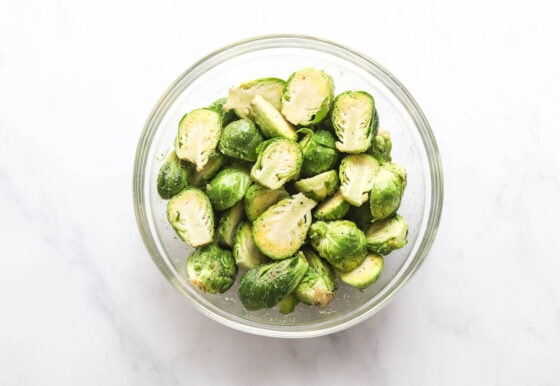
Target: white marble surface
[83,304]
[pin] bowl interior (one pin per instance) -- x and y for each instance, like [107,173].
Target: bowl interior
[413,147]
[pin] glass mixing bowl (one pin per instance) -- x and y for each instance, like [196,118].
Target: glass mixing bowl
[414,147]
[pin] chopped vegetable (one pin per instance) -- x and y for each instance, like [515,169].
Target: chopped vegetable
[266,285]
[240,97]
[240,139]
[173,177]
[281,230]
[382,146]
[307,97]
[320,186]
[228,224]
[386,235]
[228,187]
[271,122]
[246,253]
[334,208]
[355,121]
[356,177]
[278,162]
[340,242]
[319,152]
[301,184]
[198,136]
[318,284]
[190,213]
[387,190]
[211,269]
[258,199]
[365,274]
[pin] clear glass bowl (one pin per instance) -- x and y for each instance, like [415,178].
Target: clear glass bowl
[414,147]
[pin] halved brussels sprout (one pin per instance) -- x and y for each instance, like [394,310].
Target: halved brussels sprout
[341,243]
[307,97]
[245,251]
[209,171]
[198,135]
[334,208]
[324,138]
[355,122]
[381,147]
[319,154]
[240,139]
[288,304]
[387,190]
[228,187]
[318,285]
[211,269]
[266,285]
[258,199]
[322,267]
[228,224]
[173,177]
[312,290]
[281,230]
[271,122]
[240,97]
[365,274]
[227,116]
[356,174]
[384,236]
[320,186]
[279,161]
[191,216]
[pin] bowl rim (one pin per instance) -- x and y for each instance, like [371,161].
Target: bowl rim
[306,41]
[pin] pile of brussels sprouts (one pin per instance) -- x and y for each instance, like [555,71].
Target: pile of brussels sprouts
[289,184]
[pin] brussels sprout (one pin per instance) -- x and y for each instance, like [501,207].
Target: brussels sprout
[384,236]
[356,174]
[360,215]
[173,177]
[281,230]
[320,186]
[258,199]
[240,97]
[271,122]
[319,154]
[211,269]
[191,215]
[322,267]
[324,138]
[288,304]
[334,208]
[307,97]
[318,285]
[340,242]
[212,167]
[387,190]
[279,161]
[240,139]
[228,187]
[266,285]
[228,224]
[245,251]
[365,274]
[381,147]
[312,290]
[227,116]
[198,135]
[355,122]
